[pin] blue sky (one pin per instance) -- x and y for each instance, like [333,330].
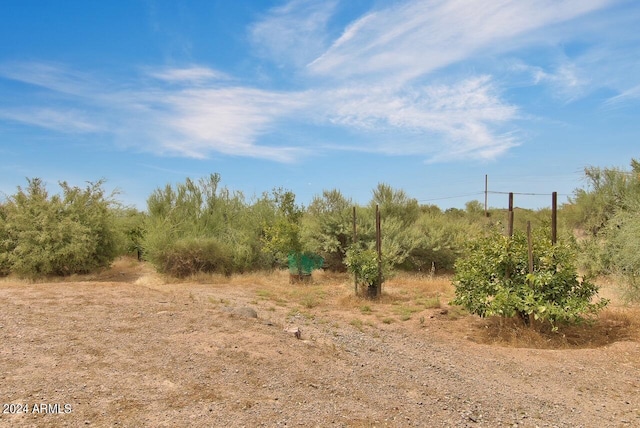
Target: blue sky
[425,95]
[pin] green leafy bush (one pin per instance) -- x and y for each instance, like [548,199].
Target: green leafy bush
[60,235]
[493,278]
[364,264]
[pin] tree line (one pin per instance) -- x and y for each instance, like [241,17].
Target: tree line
[203,226]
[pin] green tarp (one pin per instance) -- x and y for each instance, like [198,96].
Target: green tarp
[306,262]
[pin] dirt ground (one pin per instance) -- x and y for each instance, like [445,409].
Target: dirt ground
[127,348]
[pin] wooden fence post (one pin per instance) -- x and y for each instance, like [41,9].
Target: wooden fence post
[554,217]
[355,240]
[530,246]
[510,219]
[379,250]
[530,318]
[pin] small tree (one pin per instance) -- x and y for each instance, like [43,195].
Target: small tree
[363,263]
[493,279]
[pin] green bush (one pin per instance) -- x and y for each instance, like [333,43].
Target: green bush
[493,278]
[327,228]
[190,256]
[5,265]
[441,241]
[621,250]
[364,264]
[60,235]
[202,211]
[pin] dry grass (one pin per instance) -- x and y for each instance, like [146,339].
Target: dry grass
[612,325]
[405,297]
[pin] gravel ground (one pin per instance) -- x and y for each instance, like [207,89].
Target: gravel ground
[129,354]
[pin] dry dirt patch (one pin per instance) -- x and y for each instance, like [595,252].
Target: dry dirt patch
[129,348]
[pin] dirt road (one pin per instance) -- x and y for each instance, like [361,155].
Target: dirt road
[126,352]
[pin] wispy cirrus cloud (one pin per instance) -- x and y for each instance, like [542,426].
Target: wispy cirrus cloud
[628,96]
[61,120]
[459,120]
[413,38]
[293,33]
[228,120]
[193,75]
[387,73]
[395,52]
[192,120]
[567,80]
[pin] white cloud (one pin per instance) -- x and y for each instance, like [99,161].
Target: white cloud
[293,33]
[630,95]
[228,120]
[377,79]
[413,38]
[461,118]
[567,80]
[193,120]
[193,75]
[62,120]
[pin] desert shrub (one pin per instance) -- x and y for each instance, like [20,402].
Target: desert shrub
[395,203]
[202,211]
[60,235]
[327,228]
[607,212]
[608,191]
[441,240]
[5,266]
[187,257]
[621,250]
[493,278]
[399,236]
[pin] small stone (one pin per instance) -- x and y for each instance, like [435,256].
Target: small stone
[294,331]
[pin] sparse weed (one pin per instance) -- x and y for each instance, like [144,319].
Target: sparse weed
[357,323]
[432,303]
[309,302]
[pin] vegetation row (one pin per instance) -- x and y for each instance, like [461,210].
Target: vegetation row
[201,226]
